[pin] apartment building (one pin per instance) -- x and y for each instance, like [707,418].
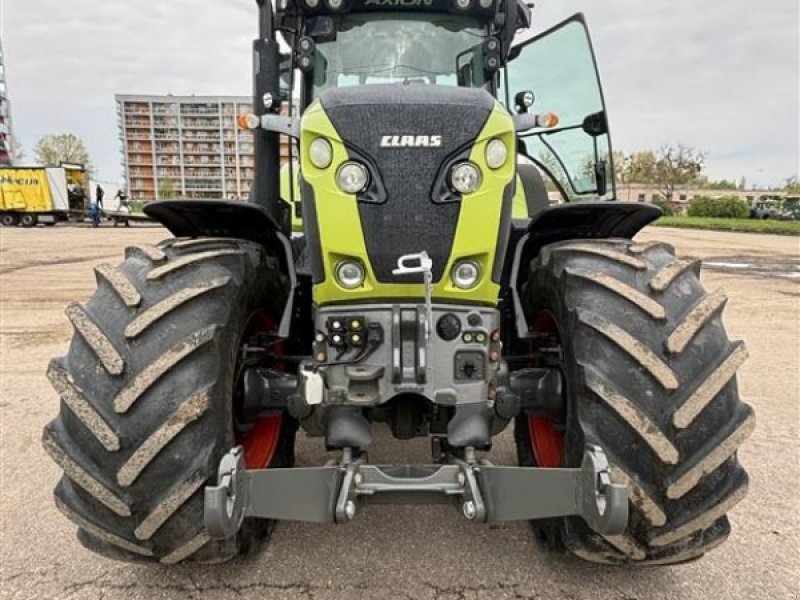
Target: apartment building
[6,139]
[185,147]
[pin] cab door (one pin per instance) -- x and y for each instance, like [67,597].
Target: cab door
[559,67]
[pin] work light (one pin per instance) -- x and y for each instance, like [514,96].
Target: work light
[320,153]
[466,274]
[496,153]
[465,177]
[352,177]
[350,274]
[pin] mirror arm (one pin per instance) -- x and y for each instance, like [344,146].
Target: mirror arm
[524,122]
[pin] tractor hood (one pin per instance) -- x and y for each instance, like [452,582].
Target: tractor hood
[409,137]
[408,132]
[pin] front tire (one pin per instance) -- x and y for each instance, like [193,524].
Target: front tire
[147,406]
[650,377]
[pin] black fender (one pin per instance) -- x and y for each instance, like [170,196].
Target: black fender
[561,222]
[231,219]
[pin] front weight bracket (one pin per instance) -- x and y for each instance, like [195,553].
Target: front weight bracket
[485,492]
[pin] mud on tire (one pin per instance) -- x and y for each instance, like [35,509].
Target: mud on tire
[146,397]
[651,378]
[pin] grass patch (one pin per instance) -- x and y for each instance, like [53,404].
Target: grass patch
[738,225]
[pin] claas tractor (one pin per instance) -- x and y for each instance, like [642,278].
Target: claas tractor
[447,261]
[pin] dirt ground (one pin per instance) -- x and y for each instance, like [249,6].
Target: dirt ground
[396,552]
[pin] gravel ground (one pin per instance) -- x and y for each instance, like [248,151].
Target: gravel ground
[395,552]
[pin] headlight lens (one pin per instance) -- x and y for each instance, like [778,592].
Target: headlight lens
[320,153]
[352,177]
[496,153]
[350,274]
[465,178]
[466,274]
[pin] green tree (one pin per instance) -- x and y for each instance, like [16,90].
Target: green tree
[641,167]
[793,185]
[722,184]
[55,149]
[166,189]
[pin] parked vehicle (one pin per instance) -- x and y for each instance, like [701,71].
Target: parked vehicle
[31,195]
[433,288]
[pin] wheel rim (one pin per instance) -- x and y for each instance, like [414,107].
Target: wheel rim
[260,441]
[546,441]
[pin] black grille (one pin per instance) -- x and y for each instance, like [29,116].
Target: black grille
[408,221]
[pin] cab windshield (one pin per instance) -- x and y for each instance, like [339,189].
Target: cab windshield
[372,48]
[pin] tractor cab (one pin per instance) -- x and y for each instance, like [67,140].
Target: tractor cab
[462,44]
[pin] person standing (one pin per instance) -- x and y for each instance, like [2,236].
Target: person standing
[99,193]
[94,214]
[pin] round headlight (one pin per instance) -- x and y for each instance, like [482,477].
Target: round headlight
[466,274]
[335,4]
[352,177]
[320,153]
[463,4]
[465,178]
[496,153]
[350,274]
[312,3]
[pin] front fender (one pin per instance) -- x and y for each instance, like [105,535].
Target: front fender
[585,220]
[229,219]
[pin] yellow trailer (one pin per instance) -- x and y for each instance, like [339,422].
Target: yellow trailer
[31,195]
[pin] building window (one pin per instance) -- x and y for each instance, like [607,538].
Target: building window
[683,197]
[642,197]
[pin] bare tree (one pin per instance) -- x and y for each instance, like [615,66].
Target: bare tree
[54,149]
[17,150]
[676,166]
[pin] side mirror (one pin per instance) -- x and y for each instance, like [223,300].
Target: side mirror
[523,101]
[596,124]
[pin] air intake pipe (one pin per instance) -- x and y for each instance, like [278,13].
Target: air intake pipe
[267,99]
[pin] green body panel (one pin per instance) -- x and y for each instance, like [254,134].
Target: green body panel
[341,234]
[519,206]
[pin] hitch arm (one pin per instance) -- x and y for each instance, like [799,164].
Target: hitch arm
[520,494]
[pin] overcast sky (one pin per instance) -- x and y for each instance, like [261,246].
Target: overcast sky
[720,75]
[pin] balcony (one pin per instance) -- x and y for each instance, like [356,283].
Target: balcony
[137,109]
[201,125]
[165,109]
[137,124]
[196,136]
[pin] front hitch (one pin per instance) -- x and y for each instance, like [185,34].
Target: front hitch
[483,492]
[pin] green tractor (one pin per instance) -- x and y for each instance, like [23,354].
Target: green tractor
[412,272]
